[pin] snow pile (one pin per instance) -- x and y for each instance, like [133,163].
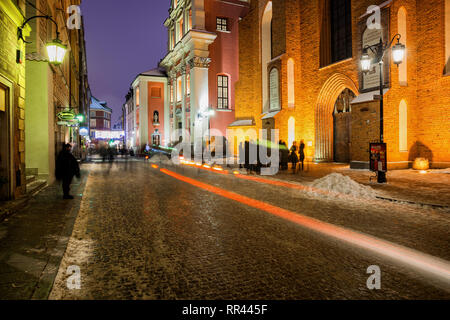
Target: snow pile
[337,183]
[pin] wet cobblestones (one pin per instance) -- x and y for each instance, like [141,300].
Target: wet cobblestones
[143,235]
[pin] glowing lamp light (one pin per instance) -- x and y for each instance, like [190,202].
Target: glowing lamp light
[398,53]
[80,118]
[56,52]
[366,62]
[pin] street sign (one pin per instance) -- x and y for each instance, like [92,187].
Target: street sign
[378,157]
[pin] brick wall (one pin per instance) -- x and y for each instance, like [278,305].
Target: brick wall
[427,93]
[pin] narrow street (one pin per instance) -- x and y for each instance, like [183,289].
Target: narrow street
[144,231]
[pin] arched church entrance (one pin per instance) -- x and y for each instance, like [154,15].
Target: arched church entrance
[342,119]
[335,89]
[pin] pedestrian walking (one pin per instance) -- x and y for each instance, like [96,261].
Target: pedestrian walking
[294,157]
[301,153]
[66,168]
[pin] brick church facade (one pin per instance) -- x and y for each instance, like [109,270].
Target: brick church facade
[299,72]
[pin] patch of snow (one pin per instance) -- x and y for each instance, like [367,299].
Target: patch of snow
[337,183]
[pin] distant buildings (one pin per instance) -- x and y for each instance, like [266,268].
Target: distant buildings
[99,117]
[193,90]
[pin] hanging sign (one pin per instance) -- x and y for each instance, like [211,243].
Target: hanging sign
[66,115]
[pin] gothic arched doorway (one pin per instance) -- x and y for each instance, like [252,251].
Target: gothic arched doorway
[342,118]
[324,120]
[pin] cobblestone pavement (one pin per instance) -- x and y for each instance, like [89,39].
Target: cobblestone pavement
[141,234]
[33,241]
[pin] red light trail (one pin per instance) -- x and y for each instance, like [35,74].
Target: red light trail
[424,263]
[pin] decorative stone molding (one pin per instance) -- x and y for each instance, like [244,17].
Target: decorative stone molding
[199,62]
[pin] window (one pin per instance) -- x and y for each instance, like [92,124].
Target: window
[266,53]
[222,24]
[447,37]
[403,127]
[188,84]
[138,98]
[291,131]
[341,30]
[222,92]
[336,31]
[190,20]
[179,28]
[274,89]
[93,114]
[156,92]
[106,124]
[291,83]
[93,123]
[2,99]
[403,67]
[179,94]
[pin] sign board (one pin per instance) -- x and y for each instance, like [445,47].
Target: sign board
[84,132]
[370,81]
[274,89]
[378,157]
[108,135]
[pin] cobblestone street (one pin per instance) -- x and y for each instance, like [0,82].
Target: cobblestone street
[142,234]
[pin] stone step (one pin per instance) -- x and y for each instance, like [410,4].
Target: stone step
[31,178]
[36,186]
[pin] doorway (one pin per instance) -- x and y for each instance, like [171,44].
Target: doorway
[342,118]
[5,143]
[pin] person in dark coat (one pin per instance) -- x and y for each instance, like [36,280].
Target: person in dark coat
[67,167]
[294,157]
[285,156]
[301,153]
[241,155]
[247,155]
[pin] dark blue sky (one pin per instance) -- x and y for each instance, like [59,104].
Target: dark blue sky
[123,38]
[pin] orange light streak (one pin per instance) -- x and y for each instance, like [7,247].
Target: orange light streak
[424,263]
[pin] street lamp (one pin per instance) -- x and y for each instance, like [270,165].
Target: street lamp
[398,54]
[56,50]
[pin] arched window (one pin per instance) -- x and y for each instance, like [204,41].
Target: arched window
[403,126]
[447,37]
[291,131]
[266,52]
[274,84]
[403,67]
[291,83]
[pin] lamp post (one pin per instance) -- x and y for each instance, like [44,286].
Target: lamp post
[380,49]
[56,50]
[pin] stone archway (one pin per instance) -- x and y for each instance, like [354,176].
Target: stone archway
[329,93]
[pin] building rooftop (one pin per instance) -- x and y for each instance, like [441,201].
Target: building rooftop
[99,105]
[157,72]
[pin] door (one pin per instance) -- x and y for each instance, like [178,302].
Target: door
[5,176]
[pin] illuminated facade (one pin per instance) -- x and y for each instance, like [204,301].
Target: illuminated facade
[300,73]
[99,117]
[147,111]
[202,65]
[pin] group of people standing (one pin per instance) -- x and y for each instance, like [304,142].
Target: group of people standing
[295,155]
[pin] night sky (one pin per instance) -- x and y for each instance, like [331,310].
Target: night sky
[123,39]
